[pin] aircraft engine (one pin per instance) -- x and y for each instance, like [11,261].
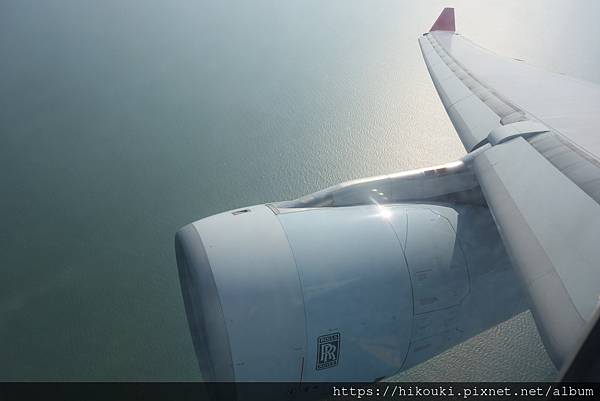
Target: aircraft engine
[353,293]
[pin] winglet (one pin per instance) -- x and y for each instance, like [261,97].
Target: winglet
[445,21]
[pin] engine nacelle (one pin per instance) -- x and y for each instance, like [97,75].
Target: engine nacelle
[352,293]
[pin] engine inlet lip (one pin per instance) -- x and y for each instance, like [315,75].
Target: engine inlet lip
[203,307]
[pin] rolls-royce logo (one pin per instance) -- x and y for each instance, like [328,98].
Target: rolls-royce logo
[328,351]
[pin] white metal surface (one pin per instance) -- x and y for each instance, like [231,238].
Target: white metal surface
[551,229]
[356,283]
[259,292]
[537,162]
[568,105]
[510,131]
[394,285]
[471,117]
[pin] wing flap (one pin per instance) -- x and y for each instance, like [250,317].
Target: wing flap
[550,229]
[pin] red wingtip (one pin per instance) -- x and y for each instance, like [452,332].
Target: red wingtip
[445,21]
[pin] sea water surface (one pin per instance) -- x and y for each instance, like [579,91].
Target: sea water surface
[121,121]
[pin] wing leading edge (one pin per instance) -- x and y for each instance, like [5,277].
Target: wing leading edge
[538,167]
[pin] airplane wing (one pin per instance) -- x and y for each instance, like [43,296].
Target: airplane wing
[535,138]
[370,277]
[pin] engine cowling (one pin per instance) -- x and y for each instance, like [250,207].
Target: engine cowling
[352,293]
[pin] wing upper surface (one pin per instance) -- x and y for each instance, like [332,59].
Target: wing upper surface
[462,70]
[539,169]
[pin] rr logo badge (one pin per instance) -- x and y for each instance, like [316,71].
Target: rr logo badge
[328,350]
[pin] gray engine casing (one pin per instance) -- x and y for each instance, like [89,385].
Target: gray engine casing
[352,293]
